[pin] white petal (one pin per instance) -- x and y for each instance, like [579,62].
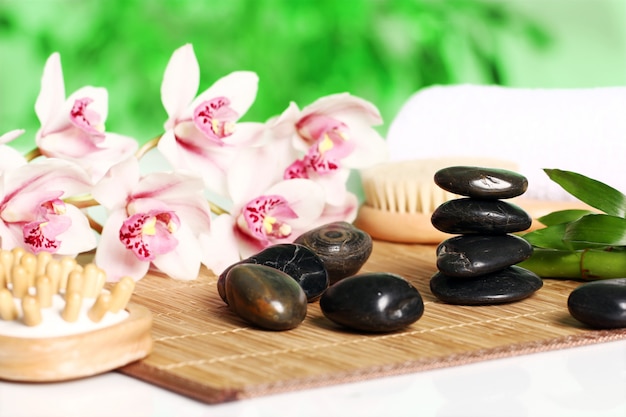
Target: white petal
[180,81]
[183,262]
[52,93]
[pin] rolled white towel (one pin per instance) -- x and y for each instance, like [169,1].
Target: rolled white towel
[581,130]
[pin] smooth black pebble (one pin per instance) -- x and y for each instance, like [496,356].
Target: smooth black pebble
[600,304]
[298,261]
[510,284]
[479,216]
[479,182]
[265,296]
[372,302]
[343,248]
[474,255]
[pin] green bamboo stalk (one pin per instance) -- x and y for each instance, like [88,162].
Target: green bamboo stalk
[586,264]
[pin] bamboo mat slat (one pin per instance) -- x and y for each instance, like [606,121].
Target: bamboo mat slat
[204,351]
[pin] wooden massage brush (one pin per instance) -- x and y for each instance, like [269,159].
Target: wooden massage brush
[58,322]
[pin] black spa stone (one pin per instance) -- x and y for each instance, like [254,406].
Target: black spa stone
[372,302]
[343,248]
[479,216]
[297,261]
[265,296]
[600,304]
[479,182]
[474,255]
[507,285]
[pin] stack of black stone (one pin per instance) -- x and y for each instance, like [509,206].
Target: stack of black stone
[478,267]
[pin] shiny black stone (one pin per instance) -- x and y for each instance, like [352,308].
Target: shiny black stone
[600,304]
[479,182]
[471,215]
[474,255]
[343,248]
[265,296]
[510,284]
[298,261]
[372,302]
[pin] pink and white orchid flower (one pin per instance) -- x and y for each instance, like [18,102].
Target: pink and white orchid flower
[73,128]
[325,140]
[10,158]
[276,215]
[33,214]
[202,133]
[153,219]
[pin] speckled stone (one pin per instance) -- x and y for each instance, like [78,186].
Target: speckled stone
[510,284]
[600,304]
[265,297]
[476,216]
[343,248]
[474,255]
[479,182]
[298,261]
[372,302]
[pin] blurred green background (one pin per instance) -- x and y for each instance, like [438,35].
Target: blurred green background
[380,50]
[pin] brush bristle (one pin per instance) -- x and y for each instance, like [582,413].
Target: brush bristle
[408,186]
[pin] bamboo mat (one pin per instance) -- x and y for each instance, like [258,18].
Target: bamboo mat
[204,351]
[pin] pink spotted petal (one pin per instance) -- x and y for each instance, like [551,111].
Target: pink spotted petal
[149,234]
[112,255]
[180,83]
[305,198]
[26,206]
[86,119]
[41,235]
[215,118]
[240,87]
[298,169]
[98,98]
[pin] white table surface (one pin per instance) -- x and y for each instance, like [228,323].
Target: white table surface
[582,381]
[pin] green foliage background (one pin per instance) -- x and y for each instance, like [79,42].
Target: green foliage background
[380,50]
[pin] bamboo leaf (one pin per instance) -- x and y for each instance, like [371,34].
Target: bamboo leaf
[595,193]
[595,230]
[562,216]
[550,237]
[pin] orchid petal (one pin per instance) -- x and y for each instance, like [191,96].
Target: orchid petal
[180,81]
[240,87]
[305,198]
[183,262]
[344,105]
[39,175]
[220,248]
[114,188]
[113,257]
[52,93]
[10,135]
[257,163]
[79,237]
[99,103]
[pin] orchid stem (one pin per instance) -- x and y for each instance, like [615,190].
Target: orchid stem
[217,209]
[32,154]
[82,201]
[97,227]
[146,147]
